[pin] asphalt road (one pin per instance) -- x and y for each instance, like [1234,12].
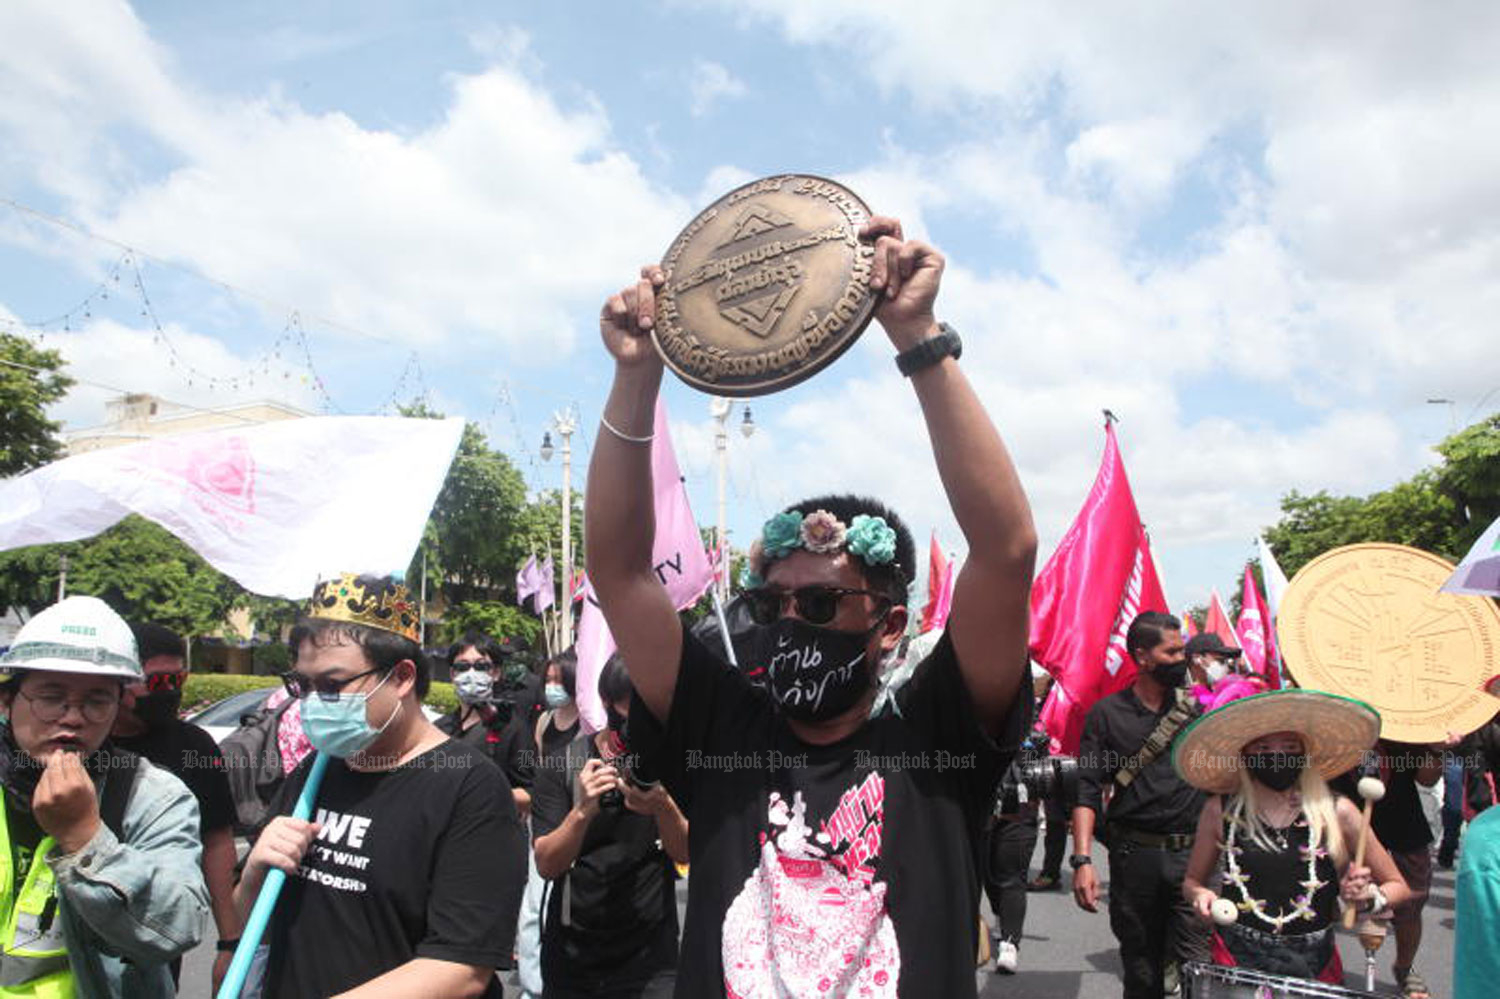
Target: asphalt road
[1070,954]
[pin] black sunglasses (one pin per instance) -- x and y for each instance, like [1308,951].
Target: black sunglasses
[299,685]
[814,604]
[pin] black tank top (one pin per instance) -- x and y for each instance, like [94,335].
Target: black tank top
[1290,889]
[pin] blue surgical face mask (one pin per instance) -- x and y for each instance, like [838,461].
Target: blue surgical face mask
[339,727]
[557,696]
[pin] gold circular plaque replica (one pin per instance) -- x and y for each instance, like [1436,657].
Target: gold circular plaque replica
[766,287]
[1367,621]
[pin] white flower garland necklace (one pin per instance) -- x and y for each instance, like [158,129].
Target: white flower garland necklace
[1302,907]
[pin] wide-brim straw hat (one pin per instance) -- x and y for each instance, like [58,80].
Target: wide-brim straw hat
[1335,733]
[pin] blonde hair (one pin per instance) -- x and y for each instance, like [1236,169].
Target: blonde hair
[1318,807]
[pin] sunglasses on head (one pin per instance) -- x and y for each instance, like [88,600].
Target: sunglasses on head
[814,604]
[164,681]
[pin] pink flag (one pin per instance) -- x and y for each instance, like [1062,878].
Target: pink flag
[1101,576]
[1217,622]
[528,580]
[677,555]
[544,581]
[1189,629]
[939,589]
[1255,634]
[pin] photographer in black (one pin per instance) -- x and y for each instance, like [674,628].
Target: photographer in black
[496,710]
[1033,777]
[606,835]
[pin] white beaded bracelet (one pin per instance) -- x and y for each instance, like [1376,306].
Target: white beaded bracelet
[624,436]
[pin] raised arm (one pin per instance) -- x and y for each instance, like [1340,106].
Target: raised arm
[991,599]
[619,515]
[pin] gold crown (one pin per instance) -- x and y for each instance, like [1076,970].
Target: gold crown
[375,601]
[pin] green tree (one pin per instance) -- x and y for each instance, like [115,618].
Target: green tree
[1470,478]
[492,618]
[30,381]
[136,567]
[1442,510]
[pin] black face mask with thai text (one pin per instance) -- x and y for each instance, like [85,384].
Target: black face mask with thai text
[814,673]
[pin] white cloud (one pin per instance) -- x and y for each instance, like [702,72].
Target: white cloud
[109,358]
[710,83]
[495,225]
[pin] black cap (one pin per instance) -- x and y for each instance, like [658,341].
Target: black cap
[1208,643]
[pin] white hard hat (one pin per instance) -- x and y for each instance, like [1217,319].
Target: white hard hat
[76,635]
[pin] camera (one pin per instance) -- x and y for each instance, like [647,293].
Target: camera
[631,767]
[1036,775]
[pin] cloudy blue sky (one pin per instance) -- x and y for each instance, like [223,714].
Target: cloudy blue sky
[1263,238]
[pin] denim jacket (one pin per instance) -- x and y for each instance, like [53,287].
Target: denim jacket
[130,907]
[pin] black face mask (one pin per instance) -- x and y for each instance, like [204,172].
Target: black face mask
[814,673]
[1170,674]
[158,708]
[1277,771]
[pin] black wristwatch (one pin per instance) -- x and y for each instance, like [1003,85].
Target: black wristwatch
[1079,860]
[930,351]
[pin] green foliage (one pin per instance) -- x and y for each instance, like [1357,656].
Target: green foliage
[27,438]
[1441,510]
[271,659]
[441,698]
[492,618]
[138,568]
[203,689]
[1470,477]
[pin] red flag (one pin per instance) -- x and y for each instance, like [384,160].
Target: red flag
[1101,576]
[939,589]
[1255,634]
[1217,622]
[1189,629]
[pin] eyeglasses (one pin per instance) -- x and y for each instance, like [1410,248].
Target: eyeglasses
[156,682]
[299,685]
[472,664]
[50,706]
[814,604]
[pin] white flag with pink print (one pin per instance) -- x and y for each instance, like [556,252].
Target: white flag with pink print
[274,506]
[678,557]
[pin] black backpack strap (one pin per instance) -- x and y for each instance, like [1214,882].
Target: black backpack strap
[119,782]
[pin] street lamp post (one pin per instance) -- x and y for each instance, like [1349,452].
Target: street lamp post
[721,408]
[564,424]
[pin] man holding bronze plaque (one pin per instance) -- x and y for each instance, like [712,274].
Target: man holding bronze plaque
[833,853]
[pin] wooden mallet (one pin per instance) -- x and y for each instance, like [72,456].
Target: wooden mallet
[1372,789]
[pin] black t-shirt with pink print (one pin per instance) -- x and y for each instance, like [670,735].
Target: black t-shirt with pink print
[849,869]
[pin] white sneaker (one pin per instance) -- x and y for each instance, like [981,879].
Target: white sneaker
[1006,958]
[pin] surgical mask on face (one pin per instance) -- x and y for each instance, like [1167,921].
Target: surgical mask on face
[473,686]
[814,673]
[339,727]
[557,696]
[1277,771]
[1216,671]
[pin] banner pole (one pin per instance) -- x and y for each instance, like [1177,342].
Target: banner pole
[270,890]
[723,627]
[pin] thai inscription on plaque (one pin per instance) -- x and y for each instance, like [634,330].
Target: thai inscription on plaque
[766,287]
[1368,621]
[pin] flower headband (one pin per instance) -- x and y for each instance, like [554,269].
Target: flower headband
[821,533]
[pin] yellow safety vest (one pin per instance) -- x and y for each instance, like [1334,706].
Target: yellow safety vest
[33,953]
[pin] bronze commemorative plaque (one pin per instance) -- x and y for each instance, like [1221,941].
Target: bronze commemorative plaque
[766,287]
[1368,621]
